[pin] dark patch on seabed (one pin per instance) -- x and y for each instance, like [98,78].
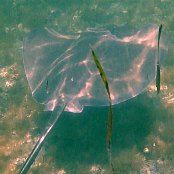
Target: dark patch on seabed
[80,139]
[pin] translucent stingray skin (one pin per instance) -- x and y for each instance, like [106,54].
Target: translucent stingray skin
[60,69]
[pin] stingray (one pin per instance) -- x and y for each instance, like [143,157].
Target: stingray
[63,76]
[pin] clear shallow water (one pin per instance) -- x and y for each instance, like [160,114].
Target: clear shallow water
[143,126]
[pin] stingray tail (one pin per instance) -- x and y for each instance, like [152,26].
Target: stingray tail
[31,158]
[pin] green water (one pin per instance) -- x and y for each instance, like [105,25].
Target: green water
[143,139]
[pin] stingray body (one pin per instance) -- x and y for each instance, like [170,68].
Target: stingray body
[63,65]
[62,74]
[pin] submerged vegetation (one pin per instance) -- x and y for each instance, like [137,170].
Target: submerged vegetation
[158,62]
[109,124]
